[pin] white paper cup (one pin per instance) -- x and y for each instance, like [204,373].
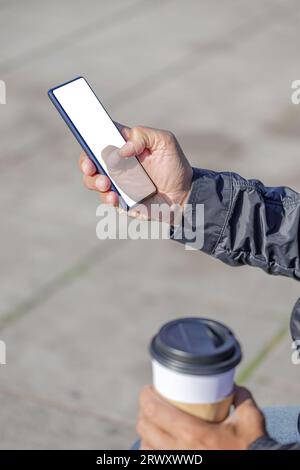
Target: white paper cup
[193,365]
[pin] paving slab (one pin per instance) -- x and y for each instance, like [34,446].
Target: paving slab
[22,420]
[276,380]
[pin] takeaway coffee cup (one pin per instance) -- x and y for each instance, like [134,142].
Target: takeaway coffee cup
[193,364]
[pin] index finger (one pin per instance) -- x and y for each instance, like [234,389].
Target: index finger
[86,165]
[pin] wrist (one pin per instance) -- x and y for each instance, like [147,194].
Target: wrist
[187,187]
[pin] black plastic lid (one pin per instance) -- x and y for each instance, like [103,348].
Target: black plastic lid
[196,346]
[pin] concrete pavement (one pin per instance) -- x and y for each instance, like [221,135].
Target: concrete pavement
[77,313]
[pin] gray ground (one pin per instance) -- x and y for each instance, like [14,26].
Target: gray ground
[77,313]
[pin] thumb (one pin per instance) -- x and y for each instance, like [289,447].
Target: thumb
[111,157]
[243,401]
[241,394]
[138,139]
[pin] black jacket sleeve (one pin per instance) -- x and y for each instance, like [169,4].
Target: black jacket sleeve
[244,222]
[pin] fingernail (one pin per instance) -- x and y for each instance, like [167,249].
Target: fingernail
[85,167]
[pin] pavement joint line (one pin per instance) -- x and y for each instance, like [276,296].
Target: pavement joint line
[250,367]
[136,8]
[52,287]
[178,66]
[187,62]
[65,407]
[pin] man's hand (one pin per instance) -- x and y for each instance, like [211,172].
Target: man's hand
[161,426]
[161,156]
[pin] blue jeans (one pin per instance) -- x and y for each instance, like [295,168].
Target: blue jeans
[283,424]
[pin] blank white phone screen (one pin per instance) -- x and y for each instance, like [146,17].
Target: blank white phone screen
[91,120]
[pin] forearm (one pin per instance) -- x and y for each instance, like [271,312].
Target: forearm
[246,222]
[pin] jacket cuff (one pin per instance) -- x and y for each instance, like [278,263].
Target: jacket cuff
[206,211]
[264,443]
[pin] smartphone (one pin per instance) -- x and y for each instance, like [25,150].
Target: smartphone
[100,138]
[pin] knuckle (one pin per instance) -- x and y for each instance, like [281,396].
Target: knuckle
[170,136]
[136,132]
[188,435]
[137,128]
